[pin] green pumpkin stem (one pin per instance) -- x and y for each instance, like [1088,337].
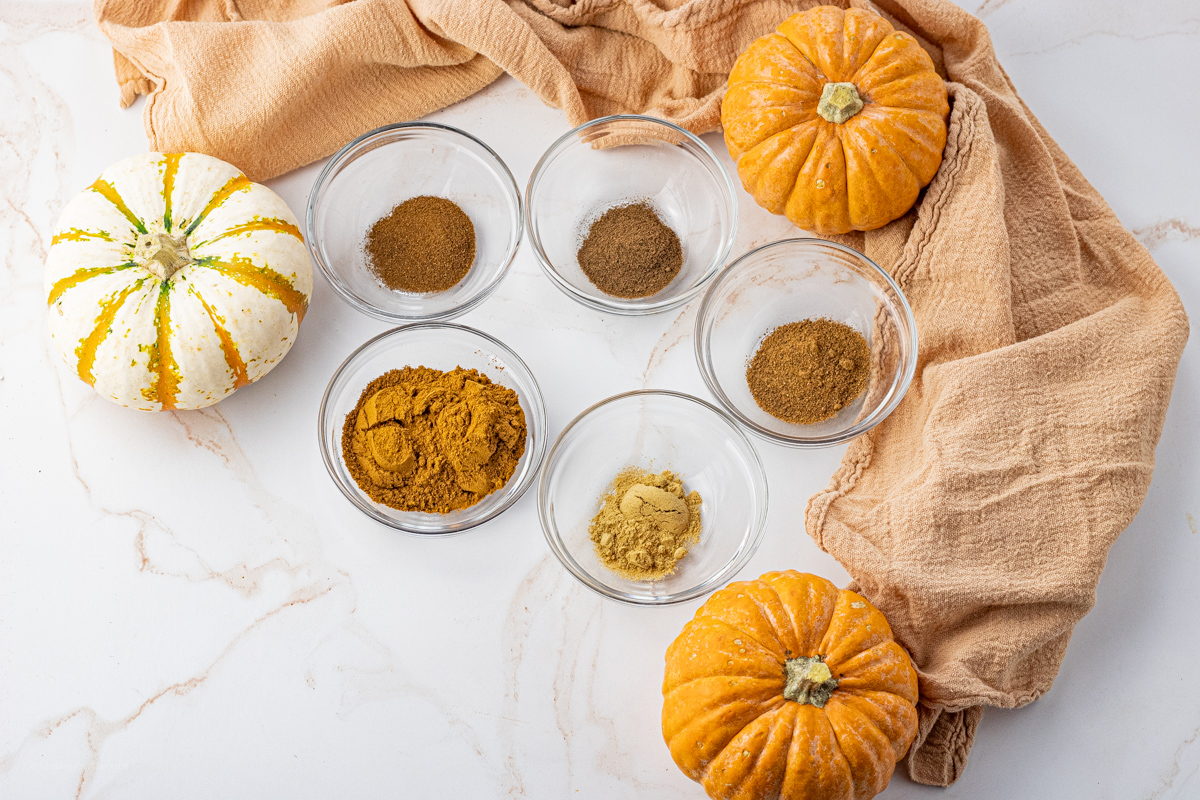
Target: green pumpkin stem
[839,102]
[161,253]
[808,681]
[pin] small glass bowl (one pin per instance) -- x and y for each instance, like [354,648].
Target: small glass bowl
[655,430]
[792,280]
[624,159]
[381,169]
[438,346]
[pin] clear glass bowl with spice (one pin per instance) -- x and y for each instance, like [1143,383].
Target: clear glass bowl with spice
[432,385]
[630,214]
[416,221]
[807,343]
[665,456]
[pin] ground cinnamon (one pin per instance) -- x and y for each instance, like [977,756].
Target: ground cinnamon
[628,252]
[426,244]
[425,440]
[807,371]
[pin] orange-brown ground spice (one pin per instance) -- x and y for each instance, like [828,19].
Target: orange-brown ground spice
[425,440]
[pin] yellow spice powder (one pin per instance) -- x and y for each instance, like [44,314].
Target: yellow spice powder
[646,524]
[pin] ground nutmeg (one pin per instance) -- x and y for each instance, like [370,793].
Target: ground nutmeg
[807,371]
[629,252]
[426,244]
[421,439]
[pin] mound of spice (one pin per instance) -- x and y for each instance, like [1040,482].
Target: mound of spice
[646,524]
[426,244]
[628,252]
[425,440]
[807,371]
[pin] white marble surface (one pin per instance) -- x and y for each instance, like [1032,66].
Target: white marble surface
[189,609]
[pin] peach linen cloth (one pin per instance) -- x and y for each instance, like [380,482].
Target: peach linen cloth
[979,515]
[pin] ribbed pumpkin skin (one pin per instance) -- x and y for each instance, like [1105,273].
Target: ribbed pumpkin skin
[214,325]
[826,177]
[727,723]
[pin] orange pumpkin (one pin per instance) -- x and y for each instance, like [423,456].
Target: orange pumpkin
[787,687]
[836,120]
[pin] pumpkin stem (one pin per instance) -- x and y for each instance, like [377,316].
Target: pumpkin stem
[839,102]
[161,253]
[808,681]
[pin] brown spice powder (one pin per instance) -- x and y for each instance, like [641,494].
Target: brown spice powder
[807,371]
[425,440]
[426,244]
[646,524]
[628,252]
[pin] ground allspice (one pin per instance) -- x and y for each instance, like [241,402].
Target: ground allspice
[807,371]
[629,252]
[426,244]
[646,524]
[421,439]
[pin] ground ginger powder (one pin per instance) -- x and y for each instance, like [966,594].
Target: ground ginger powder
[646,524]
[425,440]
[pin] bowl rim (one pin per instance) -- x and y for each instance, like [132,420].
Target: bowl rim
[377,312]
[750,543]
[704,352]
[536,429]
[611,306]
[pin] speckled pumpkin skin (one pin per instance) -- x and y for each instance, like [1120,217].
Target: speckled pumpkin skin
[218,323]
[834,178]
[727,723]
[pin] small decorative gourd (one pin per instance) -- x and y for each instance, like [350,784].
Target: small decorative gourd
[173,280]
[787,687]
[836,120]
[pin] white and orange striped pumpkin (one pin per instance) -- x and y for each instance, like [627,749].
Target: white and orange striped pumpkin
[173,280]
